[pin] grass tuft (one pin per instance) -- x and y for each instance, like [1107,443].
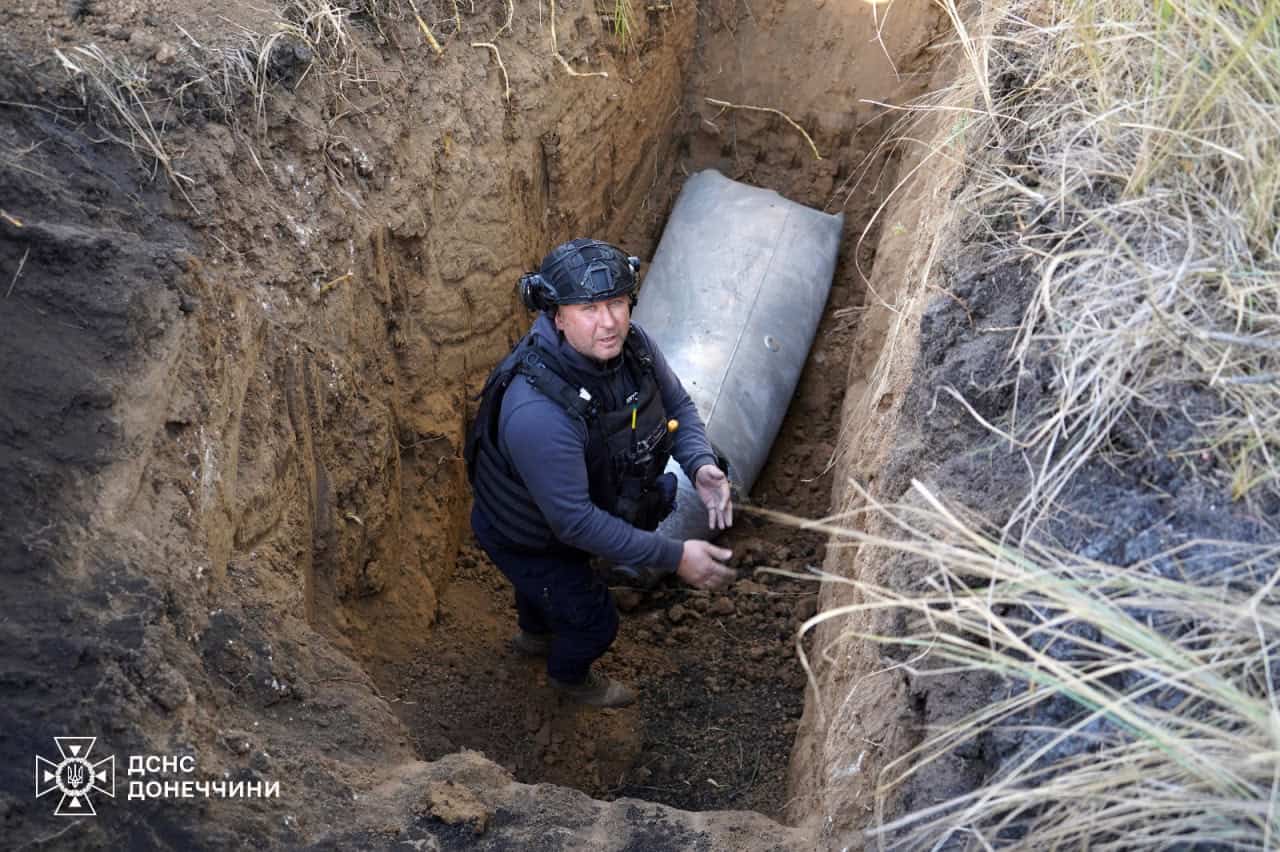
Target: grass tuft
[1129,154]
[622,18]
[116,91]
[1142,699]
[220,80]
[1132,151]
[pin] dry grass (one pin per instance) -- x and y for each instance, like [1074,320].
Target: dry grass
[1130,153]
[117,91]
[240,71]
[622,20]
[1167,667]
[249,64]
[1133,151]
[223,80]
[135,110]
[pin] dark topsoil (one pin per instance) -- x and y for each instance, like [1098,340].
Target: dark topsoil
[1140,496]
[72,643]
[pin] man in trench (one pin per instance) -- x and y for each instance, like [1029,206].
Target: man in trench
[566,460]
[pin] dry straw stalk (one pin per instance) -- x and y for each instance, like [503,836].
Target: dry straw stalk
[1174,736]
[1143,177]
[1128,153]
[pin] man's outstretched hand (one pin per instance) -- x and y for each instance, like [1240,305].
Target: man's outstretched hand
[713,489]
[701,565]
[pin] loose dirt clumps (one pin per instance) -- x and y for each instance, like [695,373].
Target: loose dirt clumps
[464,801]
[720,687]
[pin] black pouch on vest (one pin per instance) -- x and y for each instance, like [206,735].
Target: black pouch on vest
[655,503]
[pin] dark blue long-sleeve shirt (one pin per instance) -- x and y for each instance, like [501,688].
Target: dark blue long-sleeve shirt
[547,447]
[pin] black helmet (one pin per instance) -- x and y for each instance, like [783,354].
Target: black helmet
[578,272]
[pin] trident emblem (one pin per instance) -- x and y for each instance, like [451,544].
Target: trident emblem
[75,777]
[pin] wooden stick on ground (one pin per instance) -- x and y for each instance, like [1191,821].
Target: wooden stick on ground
[785,117]
[329,285]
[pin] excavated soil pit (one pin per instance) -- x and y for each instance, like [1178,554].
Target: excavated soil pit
[722,686]
[261,537]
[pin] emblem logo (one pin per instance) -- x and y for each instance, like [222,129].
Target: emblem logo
[75,776]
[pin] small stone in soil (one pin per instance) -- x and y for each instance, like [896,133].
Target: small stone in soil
[628,599]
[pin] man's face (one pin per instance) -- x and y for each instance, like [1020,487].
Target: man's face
[598,329]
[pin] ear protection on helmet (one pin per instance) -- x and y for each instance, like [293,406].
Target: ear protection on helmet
[579,272]
[535,293]
[634,263]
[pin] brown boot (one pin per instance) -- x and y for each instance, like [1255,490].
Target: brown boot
[597,691]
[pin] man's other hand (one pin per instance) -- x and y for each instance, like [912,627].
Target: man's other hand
[702,565]
[713,489]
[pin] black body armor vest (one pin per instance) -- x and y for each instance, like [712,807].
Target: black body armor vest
[627,447]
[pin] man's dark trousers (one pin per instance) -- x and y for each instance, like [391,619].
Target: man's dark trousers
[556,593]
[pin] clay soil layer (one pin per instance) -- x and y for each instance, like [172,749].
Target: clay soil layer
[253,270]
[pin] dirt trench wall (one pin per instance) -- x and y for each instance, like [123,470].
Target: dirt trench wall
[409,229]
[933,388]
[248,476]
[867,712]
[234,465]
